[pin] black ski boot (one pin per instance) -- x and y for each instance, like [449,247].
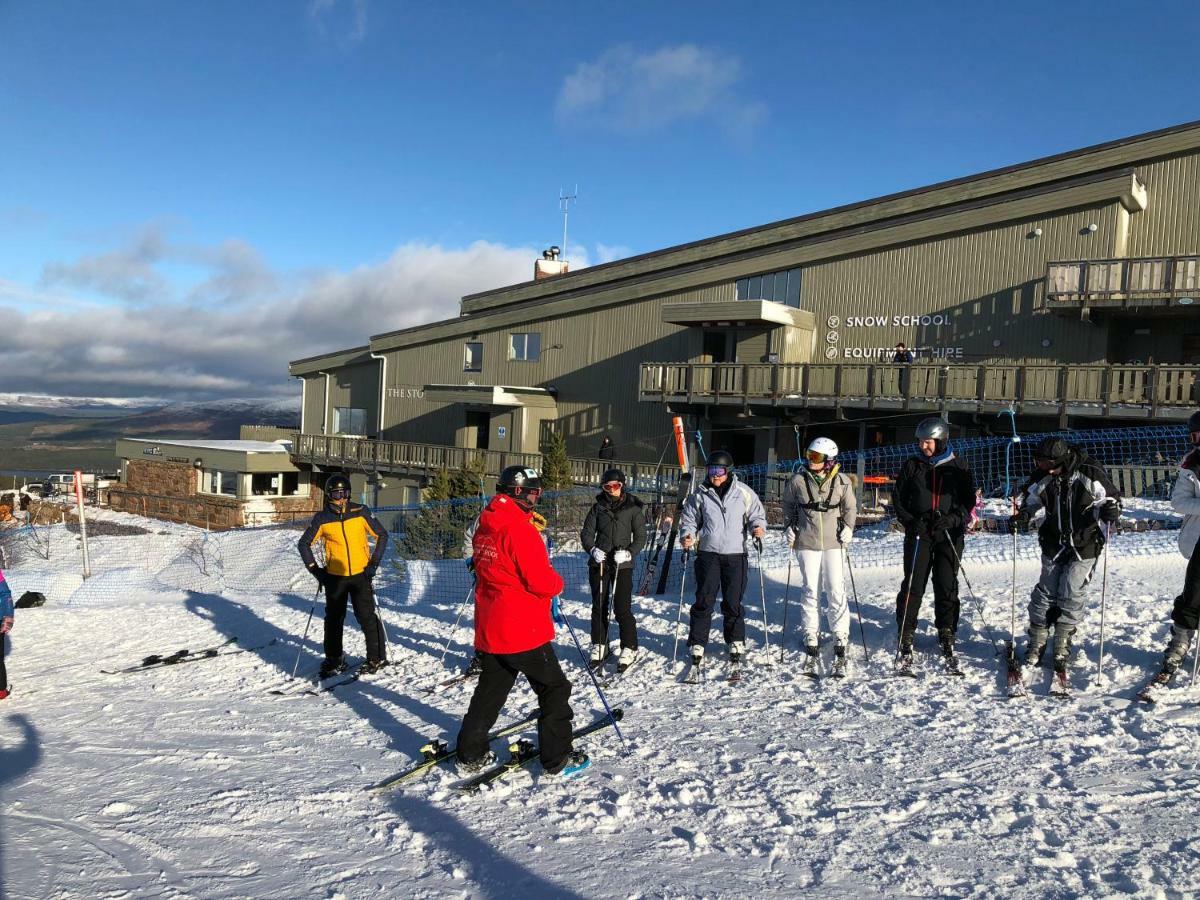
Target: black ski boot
[332,667]
[949,660]
[812,655]
[904,658]
[476,666]
[839,661]
[1177,649]
[1035,649]
[371,666]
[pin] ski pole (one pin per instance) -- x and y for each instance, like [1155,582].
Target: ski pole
[1012,614]
[762,590]
[683,560]
[1195,661]
[974,597]
[561,617]
[312,609]
[462,607]
[907,595]
[786,590]
[1103,592]
[862,628]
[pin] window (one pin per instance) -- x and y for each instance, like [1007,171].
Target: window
[779,287]
[525,346]
[349,420]
[213,481]
[473,356]
[275,484]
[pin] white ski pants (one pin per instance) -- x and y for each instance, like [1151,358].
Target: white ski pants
[814,564]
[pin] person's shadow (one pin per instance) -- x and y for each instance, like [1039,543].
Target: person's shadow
[16,760]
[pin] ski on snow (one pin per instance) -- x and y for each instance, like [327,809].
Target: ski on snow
[309,687]
[523,752]
[183,657]
[437,752]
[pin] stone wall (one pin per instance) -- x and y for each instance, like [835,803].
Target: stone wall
[163,479]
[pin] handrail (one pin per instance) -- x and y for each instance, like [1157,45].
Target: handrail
[1132,277]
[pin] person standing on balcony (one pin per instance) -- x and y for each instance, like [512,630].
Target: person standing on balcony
[903,355]
[516,587]
[607,451]
[1079,501]
[933,496]
[819,509]
[715,518]
[345,530]
[614,533]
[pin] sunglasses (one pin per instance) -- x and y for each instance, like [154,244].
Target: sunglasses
[613,485]
[717,471]
[338,494]
[816,457]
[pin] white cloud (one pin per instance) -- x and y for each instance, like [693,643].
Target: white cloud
[184,345]
[345,21]
[639,92]
[606,253]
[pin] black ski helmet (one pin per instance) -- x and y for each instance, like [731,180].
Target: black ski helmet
[1194,424]
[519,482]
[337,482]
[720,458]
[612,475]
[934,429]
[1052,450]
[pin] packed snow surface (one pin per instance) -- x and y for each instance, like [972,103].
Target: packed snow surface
[195,781]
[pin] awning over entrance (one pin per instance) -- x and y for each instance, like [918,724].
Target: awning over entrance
[491,395]
[736,312]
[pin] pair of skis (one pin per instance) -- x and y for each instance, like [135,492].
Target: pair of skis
[315,687]
[1060,684]
[652,567]
[182,657]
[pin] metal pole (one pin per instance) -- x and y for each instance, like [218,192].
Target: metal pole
[87,561]
[862,629]
[592,675]
[762,591]
[974,596]
[907,595]
[1103,593]
[312,609]
[462,607]
[786,591]
[683,561]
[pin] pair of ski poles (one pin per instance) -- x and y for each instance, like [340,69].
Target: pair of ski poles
[762,591]
[862,632]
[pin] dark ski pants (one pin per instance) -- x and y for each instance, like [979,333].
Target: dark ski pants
[726,572]
[499,674]
[357,590]
[1186,613]
[3,667]
[613,597]
[933,557]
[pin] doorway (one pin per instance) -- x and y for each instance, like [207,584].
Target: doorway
[479,428]
[716,346]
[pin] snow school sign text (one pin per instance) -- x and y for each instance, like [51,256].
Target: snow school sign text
[932,320]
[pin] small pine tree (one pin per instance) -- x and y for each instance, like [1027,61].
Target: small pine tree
[426,535]
[556,467]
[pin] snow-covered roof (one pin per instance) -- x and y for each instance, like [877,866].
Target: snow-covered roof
[236,446]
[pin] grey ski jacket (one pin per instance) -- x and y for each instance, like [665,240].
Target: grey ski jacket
[813,509]
[721,525]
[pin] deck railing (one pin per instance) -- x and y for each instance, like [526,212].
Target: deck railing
[1127,282]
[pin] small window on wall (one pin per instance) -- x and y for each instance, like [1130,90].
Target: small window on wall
[779,287]
[275,484]
[213,481]
[473,356]
[525,346]
[349,420]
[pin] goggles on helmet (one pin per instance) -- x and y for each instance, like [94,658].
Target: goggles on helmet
[815,456]
[613,485]
[717,471]
[338,494]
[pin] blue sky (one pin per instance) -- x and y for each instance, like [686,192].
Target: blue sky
[238,164]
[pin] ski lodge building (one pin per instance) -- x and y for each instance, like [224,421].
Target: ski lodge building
[1066,289]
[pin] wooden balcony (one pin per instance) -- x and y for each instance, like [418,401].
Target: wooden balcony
[1143,283]
[1130,392]
[404,458]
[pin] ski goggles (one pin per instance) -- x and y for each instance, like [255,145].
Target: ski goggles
[612,486]
[717,471]
[338,494]
[815,456]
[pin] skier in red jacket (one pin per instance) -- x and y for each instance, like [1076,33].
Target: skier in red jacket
[514,634]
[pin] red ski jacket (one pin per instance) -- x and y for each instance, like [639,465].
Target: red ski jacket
[514,580]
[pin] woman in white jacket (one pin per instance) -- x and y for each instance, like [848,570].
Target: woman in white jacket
[819,509]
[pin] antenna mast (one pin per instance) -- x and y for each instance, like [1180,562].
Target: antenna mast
[564,203]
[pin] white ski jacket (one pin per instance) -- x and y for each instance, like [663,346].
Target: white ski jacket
[1185,499]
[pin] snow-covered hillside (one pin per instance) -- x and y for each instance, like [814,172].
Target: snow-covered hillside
[194,781]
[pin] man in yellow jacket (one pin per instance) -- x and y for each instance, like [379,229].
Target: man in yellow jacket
[344,529]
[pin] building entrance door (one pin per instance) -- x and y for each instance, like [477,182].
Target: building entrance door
[716,346]
[479,427]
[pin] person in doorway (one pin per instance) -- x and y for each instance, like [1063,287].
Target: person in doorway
[1079,502]
[903,355]
[6,624]
[715,519]
[933,496]
[614,533]
[345,530]
[514,634]
[607,451]
[819,509]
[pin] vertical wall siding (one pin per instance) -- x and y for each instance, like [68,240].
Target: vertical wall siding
[1170,224]
[355,386]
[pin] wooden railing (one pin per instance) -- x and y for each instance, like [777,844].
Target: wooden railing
[363,454]
[1099,390]
[1124,281]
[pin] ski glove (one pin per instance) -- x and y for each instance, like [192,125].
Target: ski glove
[1110,512]
[318,573]
[1019,522]
[845,534]
[599,556]
[371,571]
[6,625]
[622,556]
[789,535]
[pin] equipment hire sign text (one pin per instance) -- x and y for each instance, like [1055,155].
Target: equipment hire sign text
[898,321]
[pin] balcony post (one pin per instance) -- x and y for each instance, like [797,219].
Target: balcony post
[1063,375]
[1152,389]
[1106,388]
[775,384]
[689,379]
[745,385]
[837,388]
[870,387]
[980,387]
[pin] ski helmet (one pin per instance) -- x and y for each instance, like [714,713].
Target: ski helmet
[338,482]
[520,483]
[1051,453]
[936,430]
[822,450]
[612,475]
[1194,425]
[719,463]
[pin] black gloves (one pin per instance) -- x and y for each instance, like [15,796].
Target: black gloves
[370,571]
[1018,522]
[319,573]
[1110,512]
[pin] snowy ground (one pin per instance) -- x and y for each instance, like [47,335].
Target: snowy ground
[195,782]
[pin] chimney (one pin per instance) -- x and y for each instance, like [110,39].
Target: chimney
[549,265]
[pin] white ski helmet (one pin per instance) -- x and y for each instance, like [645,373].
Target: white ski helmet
[825,447]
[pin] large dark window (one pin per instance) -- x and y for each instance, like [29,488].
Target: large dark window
[526,346]
[473,356]
[779,287]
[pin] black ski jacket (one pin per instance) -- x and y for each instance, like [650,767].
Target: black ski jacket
[1072,501]
[929,488]
[615,526]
